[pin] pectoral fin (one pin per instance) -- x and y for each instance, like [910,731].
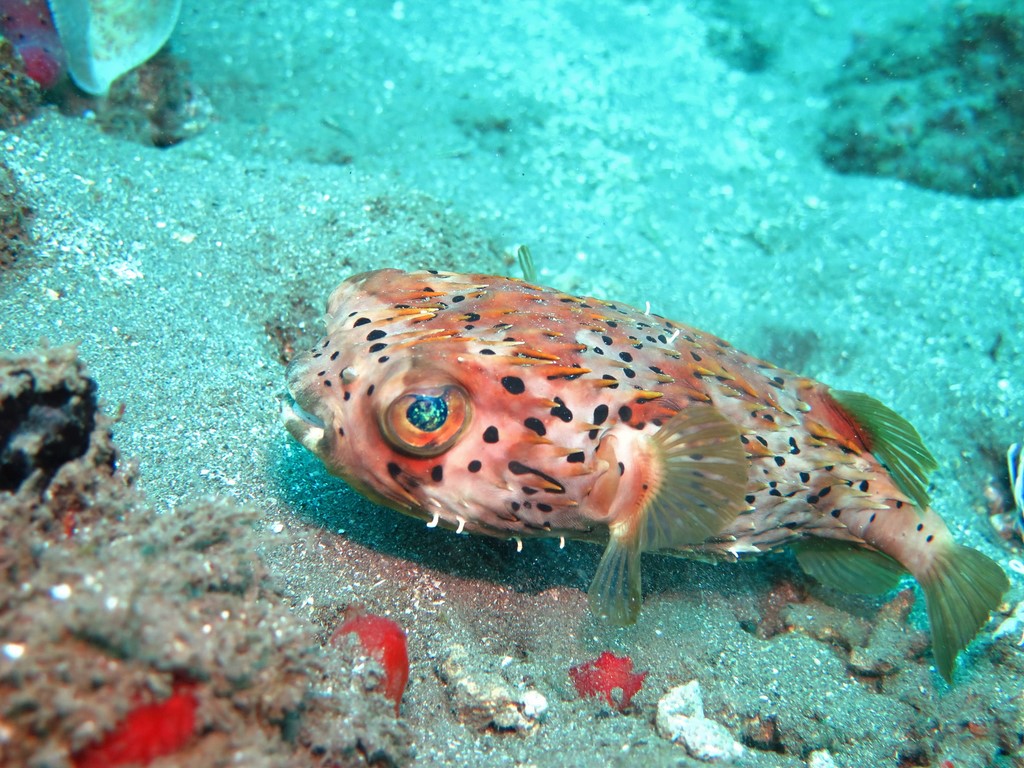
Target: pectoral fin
[703,479]
[695,486]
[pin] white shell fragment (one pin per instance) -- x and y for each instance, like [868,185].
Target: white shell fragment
[106,38]
[681,719]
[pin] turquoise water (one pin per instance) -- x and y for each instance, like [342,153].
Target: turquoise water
[829,186]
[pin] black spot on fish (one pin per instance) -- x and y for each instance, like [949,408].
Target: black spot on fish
[779,461]
[609,377]
[457,299]
[749,499]
[598,350]
[600,414]
[341,431]
[347,396]
[370,389]
[376,334]
[518,468]
[328,383]
[835,513]
[437,473]
[929,538]
[379,346]
[516,506]
[474,466]
[625,413]
[560,411]
[513,385]
[607,340]
[335,353]
[471,317]
[920,527]
[805,477]
[697,358]
[630,373]
[576,457]
[383,359]
[622,469]
[863,486]
[491,434]
[793,446]
[486,351]
[394,470]
[625,357]
[360,321]
[536,425]
[543,507]
[825,491]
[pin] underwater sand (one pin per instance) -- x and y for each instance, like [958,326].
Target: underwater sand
[638,166]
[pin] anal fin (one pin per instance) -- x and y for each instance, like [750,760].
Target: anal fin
[845,566]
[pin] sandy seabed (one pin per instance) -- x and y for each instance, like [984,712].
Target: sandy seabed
[207,549]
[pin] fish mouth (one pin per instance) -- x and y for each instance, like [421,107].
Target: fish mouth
[306,427]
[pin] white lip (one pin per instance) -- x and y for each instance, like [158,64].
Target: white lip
[304,426]
[297,411]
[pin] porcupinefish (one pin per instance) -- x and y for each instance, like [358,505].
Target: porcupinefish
[494,406]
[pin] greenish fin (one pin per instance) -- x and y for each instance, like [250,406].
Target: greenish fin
[702,471]
[961,587]
[894,441]
[848,567]
[704,480]
[614,594]
[526,263]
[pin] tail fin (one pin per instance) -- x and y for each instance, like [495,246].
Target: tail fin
[961,587]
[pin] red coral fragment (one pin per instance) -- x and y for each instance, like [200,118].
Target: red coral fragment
[605,675]
[149,731]
[384,641]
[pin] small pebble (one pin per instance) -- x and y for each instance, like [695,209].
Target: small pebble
[820,758]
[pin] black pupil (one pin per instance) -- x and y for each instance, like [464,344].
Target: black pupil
[427,413]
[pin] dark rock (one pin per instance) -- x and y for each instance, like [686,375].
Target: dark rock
[47,414]
[938,105]
[19,93]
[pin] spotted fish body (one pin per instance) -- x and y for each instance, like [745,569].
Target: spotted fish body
[490,405]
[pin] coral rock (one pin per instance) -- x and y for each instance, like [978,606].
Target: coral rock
[483,699]
[681,719]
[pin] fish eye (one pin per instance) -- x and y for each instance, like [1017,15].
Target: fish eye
[426,421]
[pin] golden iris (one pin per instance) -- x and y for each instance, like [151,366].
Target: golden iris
[426,421]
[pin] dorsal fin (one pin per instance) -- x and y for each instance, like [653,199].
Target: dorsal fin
[894,442]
